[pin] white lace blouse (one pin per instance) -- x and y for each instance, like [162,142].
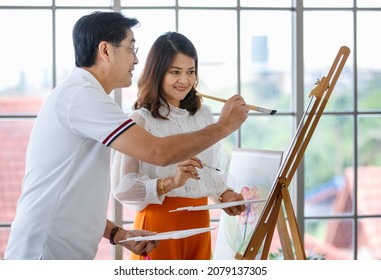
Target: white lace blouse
[134,182]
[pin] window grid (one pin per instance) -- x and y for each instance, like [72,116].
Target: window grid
[298,69]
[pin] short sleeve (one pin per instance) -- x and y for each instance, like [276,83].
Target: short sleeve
[92,114]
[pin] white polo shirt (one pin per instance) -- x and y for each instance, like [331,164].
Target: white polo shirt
[62,211]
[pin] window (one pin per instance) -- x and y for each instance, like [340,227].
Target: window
[271,52]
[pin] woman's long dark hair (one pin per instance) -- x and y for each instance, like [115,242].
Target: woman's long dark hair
[159,59]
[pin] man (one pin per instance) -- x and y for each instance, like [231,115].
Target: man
[62,211]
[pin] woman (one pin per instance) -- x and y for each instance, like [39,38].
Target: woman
[167,104]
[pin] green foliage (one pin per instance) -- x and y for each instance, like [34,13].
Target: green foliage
[309,255]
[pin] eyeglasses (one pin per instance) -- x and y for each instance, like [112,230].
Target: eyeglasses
[134,51]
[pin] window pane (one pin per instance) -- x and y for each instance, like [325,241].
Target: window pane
[369,243]
[329,239]
[368,59]
[322,41]
[369,193]
[217,65]
[26,2]
[145,35]
[266,79]
[145,3]
[369,170]
[259,132]
[208,3]
[328,181]
[266,3]
[369,142]
[328,3]
[4,234]
[369,3]
[14,136]
[27,77]
[84,2]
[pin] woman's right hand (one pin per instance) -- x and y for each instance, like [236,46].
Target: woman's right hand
[185,170]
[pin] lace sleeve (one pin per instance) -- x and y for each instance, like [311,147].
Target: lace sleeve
[220,179]
[220,160]
[131,188]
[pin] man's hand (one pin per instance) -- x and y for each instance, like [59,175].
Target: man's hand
[137,247]
[234,113]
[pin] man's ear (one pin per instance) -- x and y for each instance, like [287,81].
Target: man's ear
[104,50]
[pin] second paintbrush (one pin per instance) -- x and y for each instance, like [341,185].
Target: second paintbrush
[211,167]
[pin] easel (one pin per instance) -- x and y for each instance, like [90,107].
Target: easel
[273,213]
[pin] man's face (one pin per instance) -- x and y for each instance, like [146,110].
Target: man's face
[124,61]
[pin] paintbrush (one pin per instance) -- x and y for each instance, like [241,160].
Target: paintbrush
[211,167]
[251,107]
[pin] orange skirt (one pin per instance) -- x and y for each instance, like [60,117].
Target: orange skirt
[157,218]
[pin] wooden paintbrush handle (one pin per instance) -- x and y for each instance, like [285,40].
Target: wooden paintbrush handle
[211,97]
[251,107]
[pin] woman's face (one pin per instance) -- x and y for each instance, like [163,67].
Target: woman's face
[179,79]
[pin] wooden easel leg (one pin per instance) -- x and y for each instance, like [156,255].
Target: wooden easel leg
[267,243]
[271,226]
[284,236]
[298,244]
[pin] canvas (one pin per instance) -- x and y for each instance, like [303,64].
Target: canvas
[251,172]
